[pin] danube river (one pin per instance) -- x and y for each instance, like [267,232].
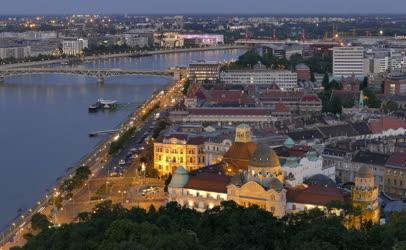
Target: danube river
[44,122]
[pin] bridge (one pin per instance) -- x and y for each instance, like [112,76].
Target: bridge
[100,74]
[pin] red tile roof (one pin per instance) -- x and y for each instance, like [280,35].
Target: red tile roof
[386,123]
[281,108]
[211,182]
[228,96]
[316,195]
[397,160]
[310,98]
[231,111]
[191,140]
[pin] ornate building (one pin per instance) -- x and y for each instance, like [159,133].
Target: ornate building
[365,197]
[240,152]
[178,149]
[262,184]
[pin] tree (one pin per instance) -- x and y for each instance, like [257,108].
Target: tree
[39,222]
[326,82]
[312,77]
[370,99]
[335,106]
[250,58]
[364,84]
[390,106]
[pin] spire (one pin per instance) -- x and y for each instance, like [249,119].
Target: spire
[361,104]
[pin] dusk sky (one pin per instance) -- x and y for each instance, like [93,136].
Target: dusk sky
[200,6]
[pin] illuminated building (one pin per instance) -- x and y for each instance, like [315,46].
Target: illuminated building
[74,46]
[365,197]
[395,175]
[240,152]
[198,190]
[261,184]
[178,150]
[204,71]
[395,84]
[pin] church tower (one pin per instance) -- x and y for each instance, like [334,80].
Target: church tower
[243,133]
[365,197]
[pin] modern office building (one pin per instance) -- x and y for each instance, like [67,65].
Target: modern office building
[204,71]
[348,61]
[285,79]
[74,46]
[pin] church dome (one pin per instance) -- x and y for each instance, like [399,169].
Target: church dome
[272,183]
[179,178]
[264,157]
[289,143]
[364,172]
[238,179]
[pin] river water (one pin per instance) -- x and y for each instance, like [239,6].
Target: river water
[44,122]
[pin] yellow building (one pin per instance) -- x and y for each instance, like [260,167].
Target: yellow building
[261,184]
[178,149]
[364,196]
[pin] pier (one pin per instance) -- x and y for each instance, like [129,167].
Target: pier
[101,132]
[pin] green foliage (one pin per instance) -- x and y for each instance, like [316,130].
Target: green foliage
[117,144]
[105,49]
[390,106]
[228,226]
[158,129]
[39,222]
[364,84]
[370,99]
[186,87]
[249,59]
[335,106]
[153,109]
[80,176]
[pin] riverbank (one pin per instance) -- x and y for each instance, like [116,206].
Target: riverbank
[94,160]
[109,56]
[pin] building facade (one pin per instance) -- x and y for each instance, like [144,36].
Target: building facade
[395,176]
[364,196]
[348,61]
[17,52]
[74,46]
[178,150]
[204,71]
[395,84]
[285,80]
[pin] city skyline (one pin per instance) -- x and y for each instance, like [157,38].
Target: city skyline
[205,7]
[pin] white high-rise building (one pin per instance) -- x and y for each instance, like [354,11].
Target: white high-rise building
[348,61]
[74,46]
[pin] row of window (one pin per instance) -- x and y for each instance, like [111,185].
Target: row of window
[180,159]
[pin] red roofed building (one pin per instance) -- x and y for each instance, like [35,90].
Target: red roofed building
[395,175]
[228,115]
[387,125]
[294,100]
[314,196]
